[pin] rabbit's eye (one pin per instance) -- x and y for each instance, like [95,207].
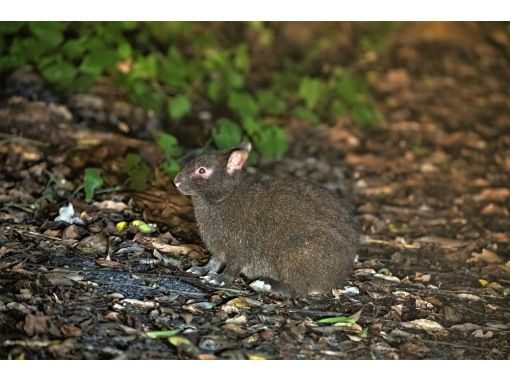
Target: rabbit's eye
[201,171]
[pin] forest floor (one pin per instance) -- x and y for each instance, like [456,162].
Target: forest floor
[429,187]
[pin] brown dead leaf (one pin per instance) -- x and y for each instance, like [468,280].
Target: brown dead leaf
[72,232]
[410,348]
[109,263]
[112,316]
[4,251]
[95,244]
[398,309]
[427,325]
[376,191]
[35,324]
[70,330]
[206,357]
[53,233]
[233,328]
[364,160]
[500,237]
[20,268]
[395,79]
[183,249]
[110,205]
[468,297]
[63,349]
[444,242]
[469,139]
[497,194]
[481,182]
[239,303]
[482,335]
[452,315]
[486,257]
[418,276]
[464,327]
[341,136]
[493,209]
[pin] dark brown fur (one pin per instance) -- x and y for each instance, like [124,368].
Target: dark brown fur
[290,231]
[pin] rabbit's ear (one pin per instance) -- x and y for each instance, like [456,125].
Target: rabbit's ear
[236,160]
[245,145]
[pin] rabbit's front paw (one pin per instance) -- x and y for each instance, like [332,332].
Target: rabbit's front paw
[217,279]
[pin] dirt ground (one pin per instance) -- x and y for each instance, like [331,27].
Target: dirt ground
[429,187]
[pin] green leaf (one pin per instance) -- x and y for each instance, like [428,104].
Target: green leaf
[92,65]
[162,334]
[83,82]
[138,172]
[214,90]
[129,25]
[271,141]
[271,102]
[28,49]
[311,91]
[124,50]
[179,106]
[48,33]
[241,58]
[174,69]
[227,133]
[172,167]
[251,126]
[75,48]
[59,72]
[305,114]
[243,103]
[91,181]
[169,145]
[338,108]
[339,319]
[9,62]
[365,114]
[235,80]
[11,27]
[145,67]
[348,88]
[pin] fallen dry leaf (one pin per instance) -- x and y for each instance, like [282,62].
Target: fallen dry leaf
[155,243]
[445,242]
[110,205]
[465,327]
[427,325]
[469,297]
[486,256]
[493,209]
[109,263]
[480,334]
[498,194]
[35,324]
[70,330]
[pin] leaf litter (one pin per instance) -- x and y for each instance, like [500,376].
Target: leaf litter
[432,200]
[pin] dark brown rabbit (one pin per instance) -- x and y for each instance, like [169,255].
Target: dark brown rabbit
[295,236]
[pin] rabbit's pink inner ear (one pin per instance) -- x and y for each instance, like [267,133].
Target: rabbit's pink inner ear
[236,161]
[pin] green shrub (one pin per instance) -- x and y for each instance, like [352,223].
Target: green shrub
[169,67]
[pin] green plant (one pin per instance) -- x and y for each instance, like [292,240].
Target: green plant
[170,147]
[138,172]
[91,181]
[177,67]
